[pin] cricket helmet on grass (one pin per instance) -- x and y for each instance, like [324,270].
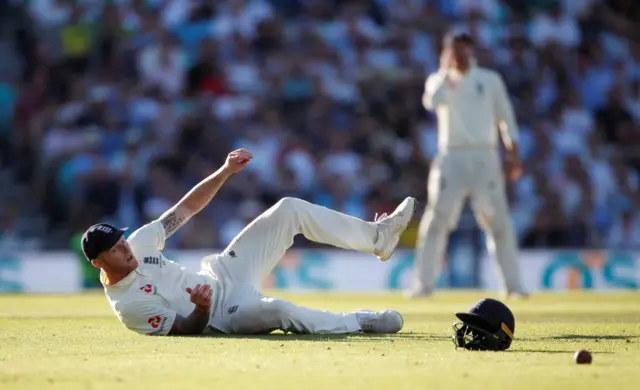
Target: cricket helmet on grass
[489,325]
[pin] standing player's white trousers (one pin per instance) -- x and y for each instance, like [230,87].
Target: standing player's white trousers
[455,175]
[255,252]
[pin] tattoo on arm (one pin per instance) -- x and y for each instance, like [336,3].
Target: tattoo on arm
[172,221]
[194,323]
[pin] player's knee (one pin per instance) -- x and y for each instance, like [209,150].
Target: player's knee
[275,307]
[275,312]
[287,205]
[289,201]
[499,226]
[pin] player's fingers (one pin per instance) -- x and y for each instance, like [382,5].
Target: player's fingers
[206,300]
[203,291]
[196,290]
[202,298]
[189,290]
[243,156]
[238,153]
[239,160]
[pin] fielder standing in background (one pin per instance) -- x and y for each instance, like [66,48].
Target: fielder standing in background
[471,103]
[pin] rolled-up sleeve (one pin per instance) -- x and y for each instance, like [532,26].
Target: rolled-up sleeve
[434,91]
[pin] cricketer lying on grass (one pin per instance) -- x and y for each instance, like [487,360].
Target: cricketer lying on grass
[153,295]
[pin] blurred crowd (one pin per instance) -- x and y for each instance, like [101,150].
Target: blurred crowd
[121,106]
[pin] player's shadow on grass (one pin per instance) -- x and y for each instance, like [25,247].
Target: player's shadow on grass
[590,337]
[351,338]
[551,351]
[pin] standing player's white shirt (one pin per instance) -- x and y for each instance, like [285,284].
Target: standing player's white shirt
[470,108]
[148,299]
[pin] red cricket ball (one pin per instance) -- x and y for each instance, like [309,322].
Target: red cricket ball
[583,357]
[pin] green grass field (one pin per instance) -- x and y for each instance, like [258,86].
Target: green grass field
[74,342]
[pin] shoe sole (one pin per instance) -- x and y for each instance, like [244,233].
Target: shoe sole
[399,232]
[400,317]
[401,321]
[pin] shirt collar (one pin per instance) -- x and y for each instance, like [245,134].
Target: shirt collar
[456,75]
[126,281]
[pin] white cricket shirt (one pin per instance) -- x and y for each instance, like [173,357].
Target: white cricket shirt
[148,299]
[470,108]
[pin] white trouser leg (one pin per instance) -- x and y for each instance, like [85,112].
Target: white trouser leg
[489,202]
[247,311]
[446,193]
[298,319]
[261,245]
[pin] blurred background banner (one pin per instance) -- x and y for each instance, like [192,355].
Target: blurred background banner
[111,110]
[571,270]
[338,270]
[40,272]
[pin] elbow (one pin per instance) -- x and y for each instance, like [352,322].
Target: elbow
[433,99]
[428,103]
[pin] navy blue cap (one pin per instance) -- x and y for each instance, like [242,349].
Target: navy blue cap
[460,36]
[99,238]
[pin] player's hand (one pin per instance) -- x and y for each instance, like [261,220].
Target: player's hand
[237,159]
[446,57]
[513,166]
[201,296]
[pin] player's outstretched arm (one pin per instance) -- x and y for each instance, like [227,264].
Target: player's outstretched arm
[200,195]
[195,322]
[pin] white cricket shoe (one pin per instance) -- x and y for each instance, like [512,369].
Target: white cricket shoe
[390,228]
[516,295]
[414,293]
[385,321]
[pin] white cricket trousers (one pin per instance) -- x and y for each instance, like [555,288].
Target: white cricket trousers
[455,175]
[255,252]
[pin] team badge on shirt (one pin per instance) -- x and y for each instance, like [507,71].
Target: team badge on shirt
[156,322]
[232,309]
[149,289]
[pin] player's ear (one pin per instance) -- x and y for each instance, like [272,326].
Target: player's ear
[96,263]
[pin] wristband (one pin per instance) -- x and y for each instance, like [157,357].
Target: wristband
[203,309]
